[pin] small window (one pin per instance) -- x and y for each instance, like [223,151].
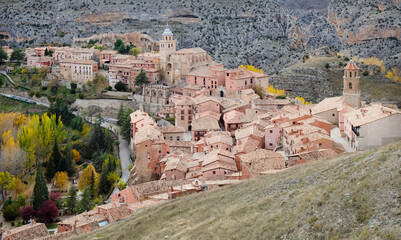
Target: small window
[182,111]
[214,172]
[189,112]
[350,85]
[334,114]
[270,144]
[178,138]
[271,131]
[320,144]
[182,117]
[171,138]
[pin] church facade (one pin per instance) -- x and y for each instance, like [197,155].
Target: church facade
[177,64]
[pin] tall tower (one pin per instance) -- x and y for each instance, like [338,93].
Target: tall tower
[167,47]
[351,90]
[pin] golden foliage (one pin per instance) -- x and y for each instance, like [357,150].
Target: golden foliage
[276,91]
[303,101]
[61,180]
[372,61]
[393,75]
[16,186]
[250,68]
[85,179]
[77,156]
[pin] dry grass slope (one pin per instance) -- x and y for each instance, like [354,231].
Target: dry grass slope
[348,197]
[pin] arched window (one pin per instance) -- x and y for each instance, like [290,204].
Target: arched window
[350,85]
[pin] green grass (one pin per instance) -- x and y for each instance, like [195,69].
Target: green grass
[51,225]
[347,197]
[11,105]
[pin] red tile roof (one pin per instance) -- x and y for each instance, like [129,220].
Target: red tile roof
[351,66]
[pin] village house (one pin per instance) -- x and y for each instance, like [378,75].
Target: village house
[202,125]
[269,104]
[218,164]
[249,95]
[209,77]
[173,133]
[184,113]
[140,119]
[83,54]
[174,166]
[260,161]
[62,53]
[372,126]
[215,140]
[239,79]
[28,231]
[204,104]
[9,51]
[305,157]
[273,136]
[105,56]
[80,71]
[34,61]
[248,139]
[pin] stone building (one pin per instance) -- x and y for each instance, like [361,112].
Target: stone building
[157,94]
[177,64]
[81,71]
[372,126]
[29,231]
[351,91]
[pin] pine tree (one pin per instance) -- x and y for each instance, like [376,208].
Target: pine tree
[72,200]
[96,140]
[69,159]
[126,124]
[120,115]
[54,161]
[40,192]
[142,78]
[86,203]
[109,166]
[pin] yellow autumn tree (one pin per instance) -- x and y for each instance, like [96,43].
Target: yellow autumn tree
[393,75]
[276,91]
[372,61]
[16,186]
[61,180]
[303,101]
[12,156]
[86,177]
[250,68]
[37,135]
[77,156]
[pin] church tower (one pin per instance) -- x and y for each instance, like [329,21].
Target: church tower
[167,47]
[351,90]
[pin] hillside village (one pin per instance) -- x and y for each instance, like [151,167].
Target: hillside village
[213,126]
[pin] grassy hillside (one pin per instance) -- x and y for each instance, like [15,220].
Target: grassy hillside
[348,197]
[11,105]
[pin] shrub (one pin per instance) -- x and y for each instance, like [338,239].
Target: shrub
[120,87]
[10,212]
[26,212]
[47,211]
[365,73]
[327,66]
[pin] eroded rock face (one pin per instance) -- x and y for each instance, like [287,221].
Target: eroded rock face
[270,34]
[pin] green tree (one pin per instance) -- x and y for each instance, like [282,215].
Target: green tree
[69,159]
[72,200]
[118,44]
[120,115]
[96,139]
[135,51]
[17,55]
[40,192]
[3,55]
[60,108]
[86,202]
[109,166]
[142,78]
[120,87]
[126,124]
[5,180]
[56,163]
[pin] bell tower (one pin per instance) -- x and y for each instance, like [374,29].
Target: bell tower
[351,91]
[167,47]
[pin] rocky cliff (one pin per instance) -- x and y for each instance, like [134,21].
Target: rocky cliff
[270,34]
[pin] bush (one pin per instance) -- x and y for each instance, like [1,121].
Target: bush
[346,59]
[327,66]
[47,211]
[280,97]
[120,87]
[10,212]
[26,212]
[365,73]
[109,88]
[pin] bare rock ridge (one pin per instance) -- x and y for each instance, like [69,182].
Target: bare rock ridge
[261,33]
